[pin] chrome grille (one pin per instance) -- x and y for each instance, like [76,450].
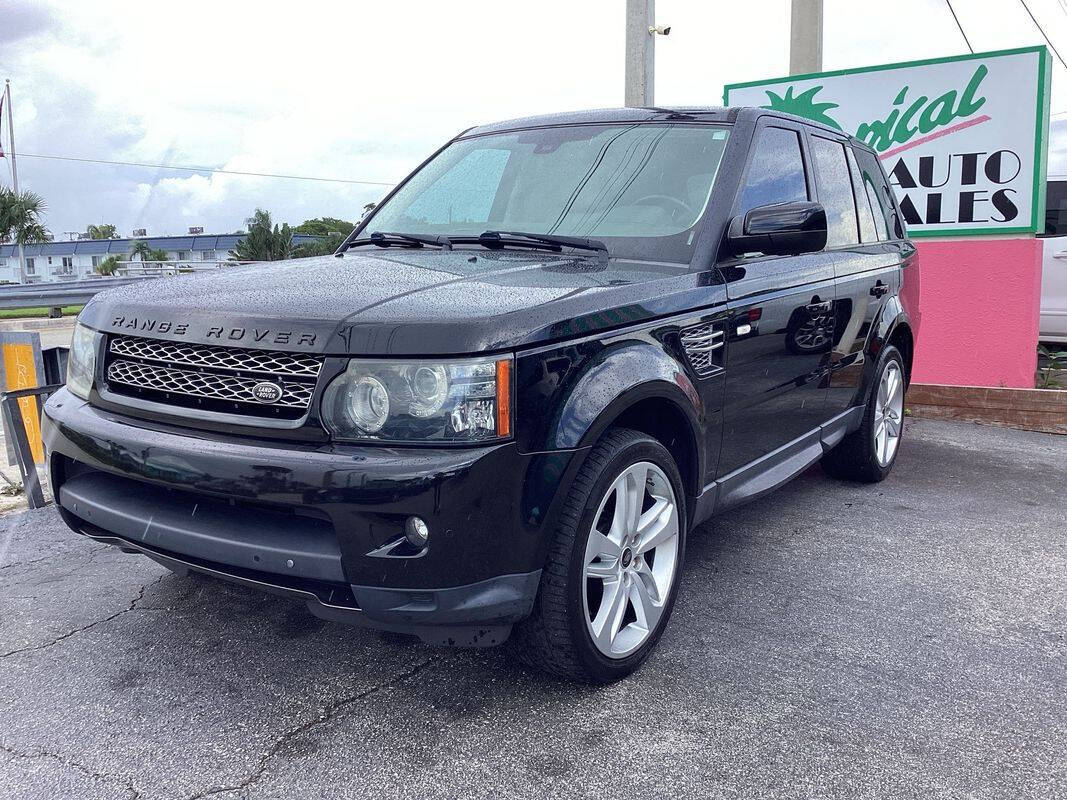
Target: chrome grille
[203,384]
[212,378]
[701,344]
[228,358]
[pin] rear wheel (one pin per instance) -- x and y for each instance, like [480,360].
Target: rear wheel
[868,454]
[611,577]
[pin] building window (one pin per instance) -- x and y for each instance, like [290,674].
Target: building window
[31,267]
[3,263]
[183,255]
[50,261]
[96,261]
[208,255]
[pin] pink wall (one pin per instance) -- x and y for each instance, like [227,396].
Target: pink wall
[978,302]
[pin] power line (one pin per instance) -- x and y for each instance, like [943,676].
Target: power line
[1038,26]
[203,169]
[964,35]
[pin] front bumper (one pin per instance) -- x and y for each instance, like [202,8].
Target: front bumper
[320,522]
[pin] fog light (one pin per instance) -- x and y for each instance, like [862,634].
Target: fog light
[416,531]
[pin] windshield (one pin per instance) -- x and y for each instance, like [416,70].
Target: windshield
[639,188]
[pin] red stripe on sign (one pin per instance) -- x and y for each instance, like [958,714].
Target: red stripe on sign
[932,136]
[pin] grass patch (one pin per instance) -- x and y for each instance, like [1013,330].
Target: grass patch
[27,313]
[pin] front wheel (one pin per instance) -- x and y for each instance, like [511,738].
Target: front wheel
[611,576]
[868,454]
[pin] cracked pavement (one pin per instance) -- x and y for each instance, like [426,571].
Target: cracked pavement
[830,640]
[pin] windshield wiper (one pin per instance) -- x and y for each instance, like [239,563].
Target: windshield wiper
[402,240]
[545,241]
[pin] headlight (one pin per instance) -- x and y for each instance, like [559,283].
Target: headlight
[420,401]
[81,361]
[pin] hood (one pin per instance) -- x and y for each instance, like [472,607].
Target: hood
[402,302]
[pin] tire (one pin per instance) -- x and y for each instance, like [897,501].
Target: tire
[558,637]
[860,456]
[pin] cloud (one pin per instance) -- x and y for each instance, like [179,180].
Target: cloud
[363,92]
[22,20]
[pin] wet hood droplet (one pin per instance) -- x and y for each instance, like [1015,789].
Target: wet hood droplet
[409,302]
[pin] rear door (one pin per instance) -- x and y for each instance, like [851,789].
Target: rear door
[867,259]
[778,338]
[1054,263]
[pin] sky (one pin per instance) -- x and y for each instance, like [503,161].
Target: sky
[365,91]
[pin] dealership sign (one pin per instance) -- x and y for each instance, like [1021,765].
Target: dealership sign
[963,139]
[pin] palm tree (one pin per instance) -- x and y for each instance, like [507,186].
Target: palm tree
[108,266]
[147,252]
[264,241]
[20,219]
[102,231]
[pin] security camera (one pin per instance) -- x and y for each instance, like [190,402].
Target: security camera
[662,30]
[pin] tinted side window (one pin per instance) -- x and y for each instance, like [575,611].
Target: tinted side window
[863,202]
[775,171]
[835,191]
[1056,208]
[880,193]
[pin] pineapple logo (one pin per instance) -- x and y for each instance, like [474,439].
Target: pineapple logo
[803,105]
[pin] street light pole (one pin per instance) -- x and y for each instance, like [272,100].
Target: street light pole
[805,37]
[14,172]
[640,53]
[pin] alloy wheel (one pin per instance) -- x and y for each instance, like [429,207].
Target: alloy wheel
[888,413]
[631,559]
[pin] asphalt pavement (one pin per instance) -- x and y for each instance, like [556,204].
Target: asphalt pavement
[831,640]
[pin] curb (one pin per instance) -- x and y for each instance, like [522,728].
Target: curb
[1043,410]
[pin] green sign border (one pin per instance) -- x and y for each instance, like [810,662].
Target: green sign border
[1044,83]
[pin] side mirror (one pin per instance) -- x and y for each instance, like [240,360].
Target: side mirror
[784,229]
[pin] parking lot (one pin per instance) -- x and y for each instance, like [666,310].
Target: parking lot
[831,640]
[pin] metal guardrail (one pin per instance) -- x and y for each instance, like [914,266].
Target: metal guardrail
[61,293]
[160,268]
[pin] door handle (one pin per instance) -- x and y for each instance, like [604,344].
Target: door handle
[879,289]
[817,306]
[1061,254]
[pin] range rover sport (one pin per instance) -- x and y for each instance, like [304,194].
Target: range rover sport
[499,410]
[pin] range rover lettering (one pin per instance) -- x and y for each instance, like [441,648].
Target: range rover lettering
[498,412]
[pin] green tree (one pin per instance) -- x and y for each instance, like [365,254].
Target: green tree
[265,241]
[102,231]
[20,217]
[108,266]
[324,226]
[331,233]
[147,252]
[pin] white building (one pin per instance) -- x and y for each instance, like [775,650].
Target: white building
[59,261]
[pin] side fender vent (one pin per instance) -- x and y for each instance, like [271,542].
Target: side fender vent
[703,345]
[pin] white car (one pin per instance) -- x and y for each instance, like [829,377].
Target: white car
[1054,263]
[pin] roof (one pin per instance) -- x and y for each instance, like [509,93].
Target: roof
[704,113]
[223,243]
[657,114]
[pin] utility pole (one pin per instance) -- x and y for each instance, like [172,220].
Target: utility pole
[640,53]
[805,37]
[14,170]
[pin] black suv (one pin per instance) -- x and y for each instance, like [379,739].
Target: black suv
[499,409]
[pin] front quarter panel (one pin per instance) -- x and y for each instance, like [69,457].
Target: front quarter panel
[568,397]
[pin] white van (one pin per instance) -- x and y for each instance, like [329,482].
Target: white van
[1054,263]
